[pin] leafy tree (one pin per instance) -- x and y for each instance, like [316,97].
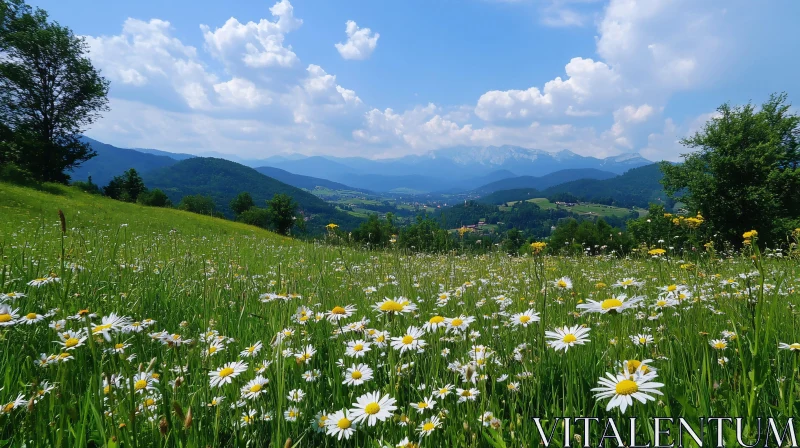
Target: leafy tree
[154,198]
[197,203]
[745,173]
[376,232]
[512,242]
[126,187]
[282,209]
[88,186]
[49,93]
[241,203]
[425,235]
[255,216]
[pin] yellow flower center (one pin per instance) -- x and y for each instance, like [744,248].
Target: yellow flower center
[610,304]
[8,408]
[428,426]
[139,385]
[720,345]
[31,316]
[255,388]
[212,349]
[372,408]
[634,364]
[569,338]
[422,405]
[456,322]
[562,284]
[107,389]
[661,303]
[358,347]
[627,387]
[436,319]
[226,372]
[672,288]
[466,393]
[71,342]
[407,339]
[343,423]
[391,306]
[642,340]
[356,375]
[101,328]
[119,346]
[524,319]
[338,310]
[5,318]
[380,338]
[795,346]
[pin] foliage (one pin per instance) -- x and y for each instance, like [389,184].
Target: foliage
[49,93]
[744,172]
[255,216]
[589,237]
[282,210]
[154,198]
[637,187]
[513,241]
[424,235]
[111,160]
[126,187]
[242,203]
[375,232]
[87,186]
[197,203]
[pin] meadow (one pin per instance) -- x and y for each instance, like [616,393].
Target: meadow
[585,208]
[137,327]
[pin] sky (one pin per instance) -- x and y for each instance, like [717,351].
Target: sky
[377,79]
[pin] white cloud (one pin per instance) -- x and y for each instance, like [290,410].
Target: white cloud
[360,44]
[240,92]
[256,45]
[588,86]
[666,145]
[146,53]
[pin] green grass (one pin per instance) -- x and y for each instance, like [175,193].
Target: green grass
[194,275]
[585,208]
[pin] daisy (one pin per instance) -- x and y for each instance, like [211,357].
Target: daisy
[291,414]
[296,395]
[563,283]
[641,339]
[719,344]
[443,391]
[110,323]
[43,389]
[623,388]
[71,339]
[248,417]
[793,347]
[305,355]
[379,338]
[632,365]
[11,296]
[410,341]
[665,302]
[15,403]
[513,386]
[338,313]
[395,306]
[31,318]
[459,324]
[612,305]
[144,382]
[225,374]
[214,348]
[255,387]
[8,316]
[357,375]
[340,425]
[372,407]
[524,318]
[215,402]
[467,394]
[427,404]
[251,351]
[626,283]
[435,323]
[428,426]
[41,281]
[357,348]
[565,337]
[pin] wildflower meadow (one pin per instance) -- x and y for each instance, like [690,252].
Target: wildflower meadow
[122,325]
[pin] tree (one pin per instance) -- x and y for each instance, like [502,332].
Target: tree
[88,186]
[255,216]
[282,209]
[126,187]
[745,173]
[49,93]
[512,242]
[197,203]
[241,203]
[154,198]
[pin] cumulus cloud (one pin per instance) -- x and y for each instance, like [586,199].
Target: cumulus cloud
[588,85]
[255,45]
[360,44]
[240,92]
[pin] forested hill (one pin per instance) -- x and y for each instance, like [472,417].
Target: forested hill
[222,180]
[637,187]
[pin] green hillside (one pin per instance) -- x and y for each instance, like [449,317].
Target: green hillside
[112,161]
[635,188]
[222,180]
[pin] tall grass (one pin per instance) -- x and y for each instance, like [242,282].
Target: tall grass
[195,274]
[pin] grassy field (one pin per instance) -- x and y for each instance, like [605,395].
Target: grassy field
[585,208]
[143,327]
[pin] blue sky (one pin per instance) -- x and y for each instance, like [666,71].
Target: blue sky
[256,78]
